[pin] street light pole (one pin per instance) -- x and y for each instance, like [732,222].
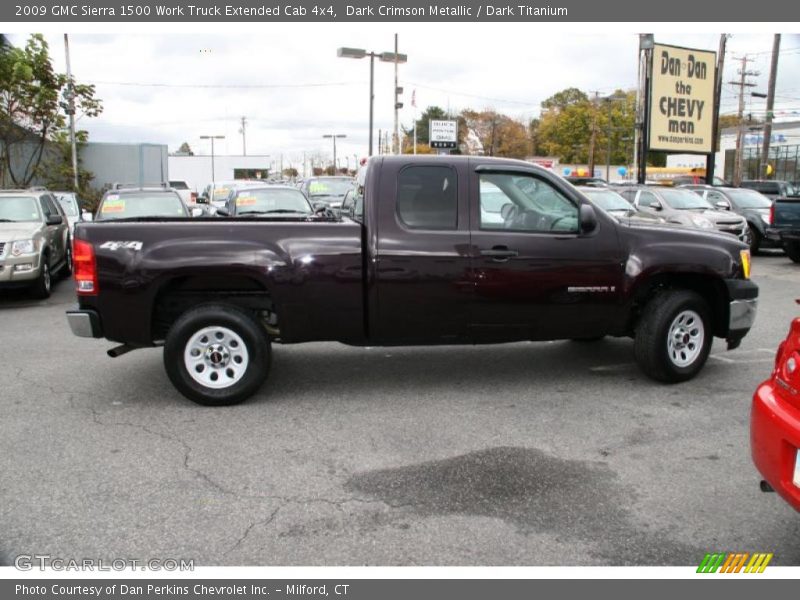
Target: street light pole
[333,136]
[390,57]
[212,138]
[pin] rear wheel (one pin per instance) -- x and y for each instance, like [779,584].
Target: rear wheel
[217,355]
[792,250]
[752,239]
[66,270]
[673,337]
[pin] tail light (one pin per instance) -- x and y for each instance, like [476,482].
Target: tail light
[85,268]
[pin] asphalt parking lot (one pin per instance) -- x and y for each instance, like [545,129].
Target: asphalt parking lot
[522,454]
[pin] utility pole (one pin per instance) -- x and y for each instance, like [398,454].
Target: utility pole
[773,75]
[71,112]
[742,84]
[242,131]
[397,105]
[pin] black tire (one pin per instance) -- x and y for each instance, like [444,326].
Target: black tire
[792,250]
[225,317]
[655,356]
[42,287]
[755,240]
[66,269]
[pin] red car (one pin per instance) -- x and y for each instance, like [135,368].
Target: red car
[775,422]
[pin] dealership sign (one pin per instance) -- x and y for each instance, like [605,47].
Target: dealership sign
[682,100]
[443,134]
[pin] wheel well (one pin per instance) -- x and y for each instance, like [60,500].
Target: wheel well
[183,293]
[711,289]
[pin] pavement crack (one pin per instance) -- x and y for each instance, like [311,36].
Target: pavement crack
[263,522]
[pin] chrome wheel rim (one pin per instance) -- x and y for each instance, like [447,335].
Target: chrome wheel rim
[46,275]
[685,338]
[216,357]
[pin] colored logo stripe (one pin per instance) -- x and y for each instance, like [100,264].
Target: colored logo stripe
[734,562]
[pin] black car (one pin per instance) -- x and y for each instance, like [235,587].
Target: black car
[752,205]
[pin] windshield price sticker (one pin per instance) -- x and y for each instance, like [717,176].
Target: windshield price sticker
[245,200]
[113,206]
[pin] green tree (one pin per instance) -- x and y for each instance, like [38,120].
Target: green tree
[34,103]
[185,149]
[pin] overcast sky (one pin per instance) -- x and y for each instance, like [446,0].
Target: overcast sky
[171,88]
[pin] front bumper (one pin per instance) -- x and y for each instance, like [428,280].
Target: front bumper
[775,438]
[85,323]
[18,270]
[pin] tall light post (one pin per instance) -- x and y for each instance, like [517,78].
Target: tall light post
[333,136]
[212,138]
[389,57]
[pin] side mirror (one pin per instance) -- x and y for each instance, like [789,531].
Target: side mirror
[722,205]
[656,205]
[198,212]
[320,206]
[222,212]
[55,220]
[587,218]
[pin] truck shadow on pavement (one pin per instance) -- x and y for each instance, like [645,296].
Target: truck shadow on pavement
[537,493]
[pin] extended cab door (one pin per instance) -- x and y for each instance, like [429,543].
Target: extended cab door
[537,276]
[422,288]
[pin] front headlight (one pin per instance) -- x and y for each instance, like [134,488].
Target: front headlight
[702,222]
[21,247]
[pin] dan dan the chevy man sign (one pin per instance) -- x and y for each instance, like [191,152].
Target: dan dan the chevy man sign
[682,100]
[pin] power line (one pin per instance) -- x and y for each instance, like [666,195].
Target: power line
[229,85]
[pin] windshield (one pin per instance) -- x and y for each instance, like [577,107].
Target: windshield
[608,200]
[141,204]
[749,199]
[265,201]
[329,187]
[19,208]
[683,199]
[69,203]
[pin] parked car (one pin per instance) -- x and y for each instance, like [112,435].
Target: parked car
[754,206]
[587,181]
[775,422]
[615,205]
[73,208]
[184,191]
[218,194]
[141,202]
[684,207]
[786,221]
[34,240]
[273,200]
[417,265]
[327,190]
[773,188]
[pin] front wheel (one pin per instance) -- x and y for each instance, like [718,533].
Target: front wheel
[42,286]
[673,337]
[217,355]
[792,250]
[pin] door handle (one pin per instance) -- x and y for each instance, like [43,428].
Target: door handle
[499,253]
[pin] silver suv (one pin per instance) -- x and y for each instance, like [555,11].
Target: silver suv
[34,240]
[684,207]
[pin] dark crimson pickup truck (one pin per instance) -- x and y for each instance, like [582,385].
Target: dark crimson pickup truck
[435,250]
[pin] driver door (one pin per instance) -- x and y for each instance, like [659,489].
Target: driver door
[536,276]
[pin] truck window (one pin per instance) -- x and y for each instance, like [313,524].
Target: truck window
[524,203]
[647,199]
[426,197]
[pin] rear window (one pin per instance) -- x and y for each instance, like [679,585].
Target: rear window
[329,187]
[426,198]
[144,204]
